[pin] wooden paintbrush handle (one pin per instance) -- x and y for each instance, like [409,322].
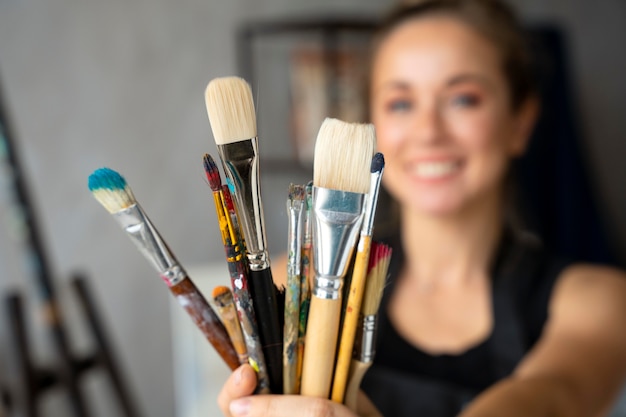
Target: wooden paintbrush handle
[190,298]
[320,346]
[357,372]
[351,319]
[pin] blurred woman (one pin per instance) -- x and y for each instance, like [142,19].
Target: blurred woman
[478,319]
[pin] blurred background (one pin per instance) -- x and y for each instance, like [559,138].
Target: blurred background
[121,84]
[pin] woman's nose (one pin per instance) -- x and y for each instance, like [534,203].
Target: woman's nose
[427,128]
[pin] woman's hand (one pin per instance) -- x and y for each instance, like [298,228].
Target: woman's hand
[236,400]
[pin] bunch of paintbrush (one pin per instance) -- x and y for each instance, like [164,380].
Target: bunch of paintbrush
[230,108]
[364,348]
[238,271]
[112,191]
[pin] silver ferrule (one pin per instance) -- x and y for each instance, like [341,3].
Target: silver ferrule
[370,203]
[145,236]
[365,343]
[241,165]
[308,216]
[295,210]
[337,220]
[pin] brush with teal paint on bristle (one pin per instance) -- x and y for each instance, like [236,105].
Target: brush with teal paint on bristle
[112,191]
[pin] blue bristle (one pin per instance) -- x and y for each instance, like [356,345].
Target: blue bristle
[378,162]
[106,178]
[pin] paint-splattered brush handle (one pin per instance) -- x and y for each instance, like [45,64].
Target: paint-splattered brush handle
[192,300]
[247,319]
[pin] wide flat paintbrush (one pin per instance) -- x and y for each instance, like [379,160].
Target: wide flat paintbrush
[341,177]
[357,283]
[112,191]
[233,121]
[365,342]
[238,271]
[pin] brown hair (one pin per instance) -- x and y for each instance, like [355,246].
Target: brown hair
[494,20]
[497,23]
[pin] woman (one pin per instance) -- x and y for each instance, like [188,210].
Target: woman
[477,320]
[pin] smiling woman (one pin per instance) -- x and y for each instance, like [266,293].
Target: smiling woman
[478,318]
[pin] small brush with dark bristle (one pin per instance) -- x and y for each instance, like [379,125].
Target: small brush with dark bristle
[357,283]
[231,112]
[112,191]
[364,349]
[341,179]
[238,272]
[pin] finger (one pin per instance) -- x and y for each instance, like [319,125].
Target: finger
[241,383]
[287,406]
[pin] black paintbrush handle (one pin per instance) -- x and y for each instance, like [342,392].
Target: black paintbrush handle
[263,292]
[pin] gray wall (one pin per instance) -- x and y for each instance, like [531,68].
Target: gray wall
[120,84]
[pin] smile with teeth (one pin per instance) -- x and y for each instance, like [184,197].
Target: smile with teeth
[435,169]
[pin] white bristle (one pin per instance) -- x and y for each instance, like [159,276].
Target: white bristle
[343,156]
[114,200]
[230,108]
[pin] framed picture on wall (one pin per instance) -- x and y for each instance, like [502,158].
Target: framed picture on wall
[304,71]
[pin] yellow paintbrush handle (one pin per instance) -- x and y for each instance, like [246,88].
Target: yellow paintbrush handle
[320,345]
[351,318]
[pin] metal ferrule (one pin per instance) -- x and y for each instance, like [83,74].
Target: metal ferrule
[337,220]
[370,204]
[296,224]
[241,165]
[365,342]
[143,233]
[308,217]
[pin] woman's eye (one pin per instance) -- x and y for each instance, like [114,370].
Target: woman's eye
[465,100]
[399,105]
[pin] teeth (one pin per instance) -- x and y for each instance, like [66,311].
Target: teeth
[435,169]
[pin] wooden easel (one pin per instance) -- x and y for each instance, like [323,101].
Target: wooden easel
[69,368]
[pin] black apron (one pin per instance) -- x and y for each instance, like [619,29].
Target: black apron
[523,277]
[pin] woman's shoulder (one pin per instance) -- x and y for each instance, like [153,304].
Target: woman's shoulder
[591,288]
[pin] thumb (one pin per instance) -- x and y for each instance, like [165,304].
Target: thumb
[241,383]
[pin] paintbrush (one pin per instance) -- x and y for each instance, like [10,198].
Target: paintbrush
[238,271]
[232,211]
[112,191]
[305,279]
[295,211]
[343,155]
[233,121]
[365,348]
[225,306]
[357,283]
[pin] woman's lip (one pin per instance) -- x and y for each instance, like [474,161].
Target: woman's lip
[433,169]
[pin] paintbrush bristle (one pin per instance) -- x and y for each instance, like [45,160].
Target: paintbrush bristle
[212,172]
[297,194]
[111,190]
[343,156]
[380,255]
[222,296]
[378,163]
[230,107]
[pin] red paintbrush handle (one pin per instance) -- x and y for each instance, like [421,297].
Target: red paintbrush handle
[190,298]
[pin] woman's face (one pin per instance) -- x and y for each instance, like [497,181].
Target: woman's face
[443,118]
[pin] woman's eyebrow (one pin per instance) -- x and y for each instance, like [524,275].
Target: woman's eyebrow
[394,85]
[469,77]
